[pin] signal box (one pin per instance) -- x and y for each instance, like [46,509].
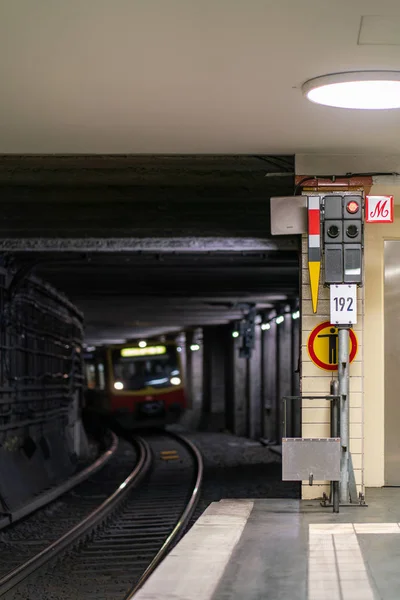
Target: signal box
[343,237]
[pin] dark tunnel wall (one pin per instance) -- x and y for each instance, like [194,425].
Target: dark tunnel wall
[41,381]
[244,395]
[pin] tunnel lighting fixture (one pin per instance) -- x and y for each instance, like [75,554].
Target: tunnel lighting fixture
[194,347]
[296,315]
[279,320]
[175,380]
[142,344]
[119,385]
[235,334]
[370,90]
[265,326]
[179,349]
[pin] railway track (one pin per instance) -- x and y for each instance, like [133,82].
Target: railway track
[115,548]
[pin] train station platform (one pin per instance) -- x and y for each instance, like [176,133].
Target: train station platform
[286,550]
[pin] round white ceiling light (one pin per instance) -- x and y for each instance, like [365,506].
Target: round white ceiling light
[370,90]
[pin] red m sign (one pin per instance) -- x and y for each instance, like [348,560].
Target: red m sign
[379,209]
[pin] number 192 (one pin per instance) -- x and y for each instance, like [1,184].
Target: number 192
[340,304]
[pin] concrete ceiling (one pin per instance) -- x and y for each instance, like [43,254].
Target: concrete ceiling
[146,245]
[125,296]
[123,76]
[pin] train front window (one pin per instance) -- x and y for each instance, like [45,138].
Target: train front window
[90,369]
[137,369]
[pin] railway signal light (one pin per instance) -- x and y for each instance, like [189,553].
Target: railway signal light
[343,236]
[352,207]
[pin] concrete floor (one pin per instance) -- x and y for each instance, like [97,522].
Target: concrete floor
[292,550]
[276,549]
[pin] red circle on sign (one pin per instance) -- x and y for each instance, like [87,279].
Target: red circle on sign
[314,357]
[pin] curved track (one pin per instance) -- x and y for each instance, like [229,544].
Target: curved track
[114,549]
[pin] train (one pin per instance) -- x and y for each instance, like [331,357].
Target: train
[135,385]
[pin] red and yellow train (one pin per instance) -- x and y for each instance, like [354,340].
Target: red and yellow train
[138,384]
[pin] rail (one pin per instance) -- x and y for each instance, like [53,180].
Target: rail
[83,527]
[183,520]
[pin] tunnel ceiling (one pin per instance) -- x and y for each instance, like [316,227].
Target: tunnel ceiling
[145,245]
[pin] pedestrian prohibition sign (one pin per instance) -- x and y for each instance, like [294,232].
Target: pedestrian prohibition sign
[322,346]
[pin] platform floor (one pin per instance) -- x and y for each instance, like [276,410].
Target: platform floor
[286,550]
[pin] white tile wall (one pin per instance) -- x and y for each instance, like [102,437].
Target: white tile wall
[315,414]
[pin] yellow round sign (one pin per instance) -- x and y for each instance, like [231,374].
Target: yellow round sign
[322,346]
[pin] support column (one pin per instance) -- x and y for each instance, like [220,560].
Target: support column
[255,398]
[230,391]
[285,370]
[214,348]
[270,370]
[343,377]
[296,376]
[193,369]
[187,354]
[240,390]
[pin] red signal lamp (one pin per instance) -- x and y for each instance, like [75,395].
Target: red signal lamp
[352,207]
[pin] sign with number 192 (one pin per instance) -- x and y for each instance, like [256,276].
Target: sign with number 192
[343,304]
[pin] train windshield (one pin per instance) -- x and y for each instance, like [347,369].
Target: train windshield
[137,368]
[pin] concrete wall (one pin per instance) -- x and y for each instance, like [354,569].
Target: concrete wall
[41,433]
[243,395]
[367,400]
[374,363]
[371,401]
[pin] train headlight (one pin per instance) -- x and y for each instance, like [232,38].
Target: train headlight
[119,385]
[175,380]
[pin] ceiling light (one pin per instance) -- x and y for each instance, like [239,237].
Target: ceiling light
[296,314]
[279,320]
[265,326]
[142,344]
[235,334]
[372,90]
[194,347]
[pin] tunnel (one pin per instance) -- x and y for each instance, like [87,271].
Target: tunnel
[170,245]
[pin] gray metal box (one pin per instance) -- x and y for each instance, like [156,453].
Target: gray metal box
[288,215]
[302,457]
[352,263]
[333,207]
[334,263]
